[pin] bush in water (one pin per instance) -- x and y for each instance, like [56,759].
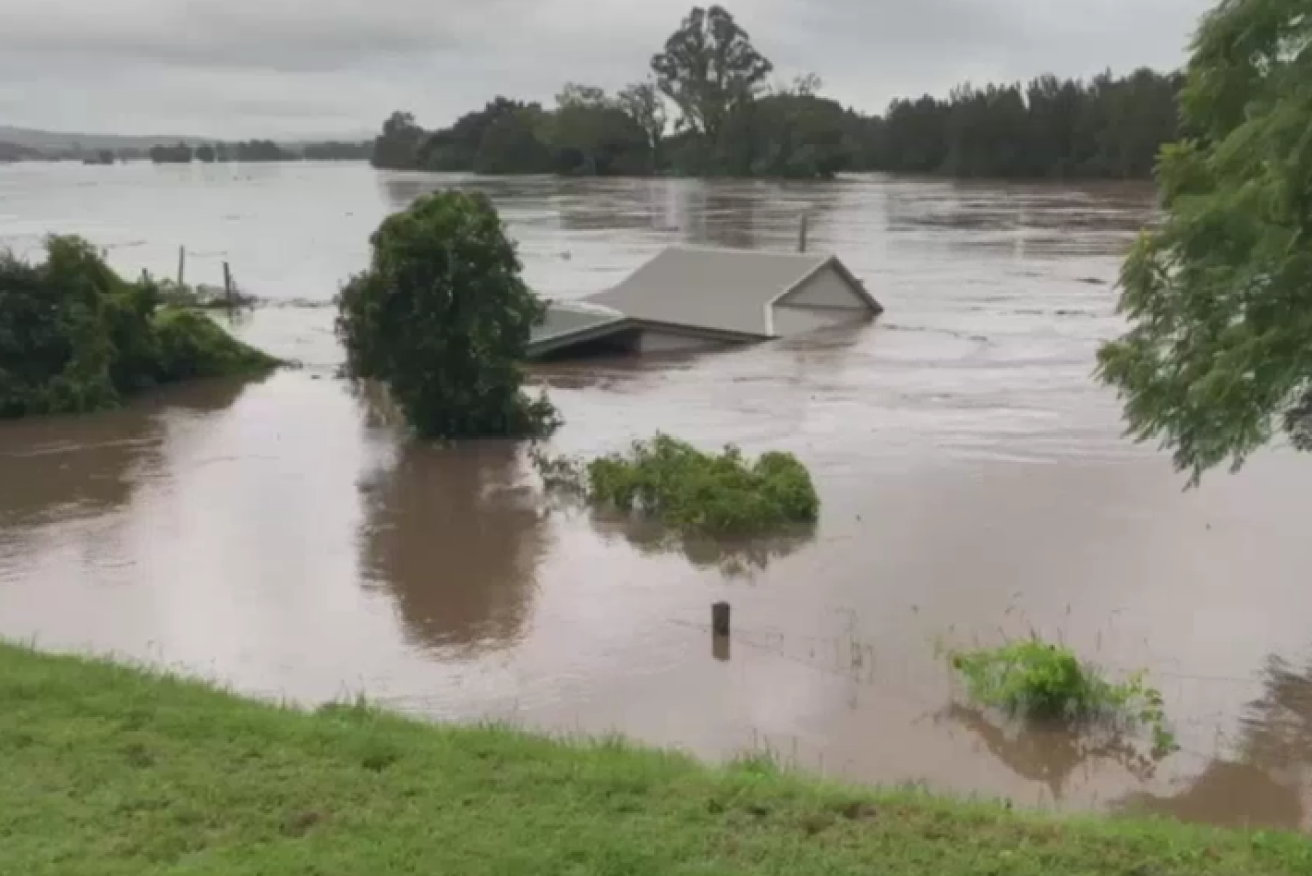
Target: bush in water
[691,491]
[1030,678]
[76,337]
[442,318]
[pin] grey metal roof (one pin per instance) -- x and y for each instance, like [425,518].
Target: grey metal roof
[728,290]
[570,317]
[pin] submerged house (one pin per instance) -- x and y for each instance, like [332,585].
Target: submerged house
[690,299]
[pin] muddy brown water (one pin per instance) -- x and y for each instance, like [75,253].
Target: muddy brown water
[281,536]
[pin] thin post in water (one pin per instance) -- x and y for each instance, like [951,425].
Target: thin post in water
[720,618]
[227,285]
[801,234]
[720,648]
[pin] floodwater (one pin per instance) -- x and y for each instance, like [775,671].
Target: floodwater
[284,538]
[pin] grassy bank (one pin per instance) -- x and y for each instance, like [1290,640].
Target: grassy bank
[107,770]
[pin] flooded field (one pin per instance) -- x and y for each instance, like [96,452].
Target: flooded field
[282,537]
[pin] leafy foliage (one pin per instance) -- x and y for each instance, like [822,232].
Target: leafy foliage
[710,70]
[1219,295]
[593,134]
[641,102]
[1105,127]
[691,491]
[442,318]
[76,337]
[1033,679]
[398,145]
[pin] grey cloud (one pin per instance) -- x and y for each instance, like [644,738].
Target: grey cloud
[280,67]
[274,35]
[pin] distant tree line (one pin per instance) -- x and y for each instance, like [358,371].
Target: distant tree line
[710,108]
[1107,127]
[250,151]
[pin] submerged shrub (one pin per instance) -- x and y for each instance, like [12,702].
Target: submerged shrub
[76,337]
[442,318]
[191,346]
[1033,679]
[692,491]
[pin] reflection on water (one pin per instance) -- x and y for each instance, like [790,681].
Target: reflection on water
[1265,780]
[287,538]
[450,532]
[59,469]
[1050,755]
[735,557]
[456,539]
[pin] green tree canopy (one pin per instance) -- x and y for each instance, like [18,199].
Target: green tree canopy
[592,133]
[709,68]
[398,145]
[1218,356]
[442,318]
[643,103]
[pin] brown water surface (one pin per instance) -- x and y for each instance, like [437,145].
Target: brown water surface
[283,537]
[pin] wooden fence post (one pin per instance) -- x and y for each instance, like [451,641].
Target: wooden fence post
[227,286]
[720,618]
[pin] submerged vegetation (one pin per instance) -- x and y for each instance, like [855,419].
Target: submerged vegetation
[75,337]
[1037,680]
[709,106]
[690,491]
[115,771]
[441,318]
[202,297]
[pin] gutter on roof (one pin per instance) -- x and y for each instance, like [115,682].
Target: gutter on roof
[593,331]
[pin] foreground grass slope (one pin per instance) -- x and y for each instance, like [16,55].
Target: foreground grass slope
[108,770]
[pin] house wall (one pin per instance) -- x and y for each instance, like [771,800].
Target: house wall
[824,300]
[614,344]
[790,321]
[669,342]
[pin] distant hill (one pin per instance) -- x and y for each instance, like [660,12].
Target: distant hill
[14,152]
[47,142]
[53,141]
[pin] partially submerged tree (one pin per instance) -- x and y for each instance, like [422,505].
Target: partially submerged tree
[398,145]
[442,318]
[1219,295]
[591,133]
[76,337]
[642,102]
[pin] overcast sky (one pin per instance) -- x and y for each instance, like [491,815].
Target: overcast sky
[284,68]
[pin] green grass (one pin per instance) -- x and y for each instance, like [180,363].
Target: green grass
[110,770]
